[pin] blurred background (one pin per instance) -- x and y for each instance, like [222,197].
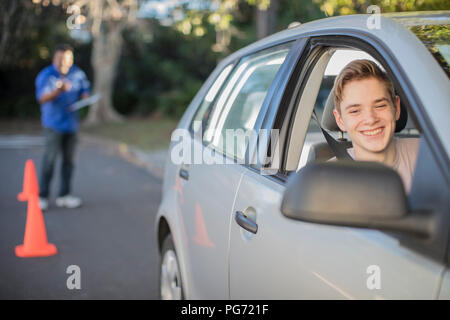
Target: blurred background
[147,58]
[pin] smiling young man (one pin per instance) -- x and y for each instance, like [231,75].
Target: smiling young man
[367,108]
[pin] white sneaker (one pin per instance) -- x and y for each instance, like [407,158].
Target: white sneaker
[68,202]
[43,203]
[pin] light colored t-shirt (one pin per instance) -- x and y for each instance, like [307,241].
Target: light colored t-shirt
[405,160]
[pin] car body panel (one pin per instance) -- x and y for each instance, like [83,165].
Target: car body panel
[445,287]
[290,259]
[205,202]
[200,223]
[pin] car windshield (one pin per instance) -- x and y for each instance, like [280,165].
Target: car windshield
[437,40]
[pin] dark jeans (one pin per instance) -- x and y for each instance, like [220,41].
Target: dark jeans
[56,142]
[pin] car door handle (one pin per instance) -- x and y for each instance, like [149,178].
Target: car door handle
[245,222]
[184,174]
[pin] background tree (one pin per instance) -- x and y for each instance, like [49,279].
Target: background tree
[28,33]
[266,13]
[14,15]
[106,19]
[222,13]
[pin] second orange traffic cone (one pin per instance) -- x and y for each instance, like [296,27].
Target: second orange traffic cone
[30,182]
[35,241]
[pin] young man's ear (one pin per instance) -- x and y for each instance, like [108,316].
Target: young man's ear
[339,121]
[397,108]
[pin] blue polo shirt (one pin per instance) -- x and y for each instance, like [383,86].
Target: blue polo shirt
[55,113]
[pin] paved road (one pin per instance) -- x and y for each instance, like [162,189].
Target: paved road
[110,238]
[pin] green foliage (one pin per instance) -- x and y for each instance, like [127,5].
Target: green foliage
[30,51]
[301,10]
[434,36]
[161,70]
[342,7]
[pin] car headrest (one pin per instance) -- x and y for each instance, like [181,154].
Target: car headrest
[329,122]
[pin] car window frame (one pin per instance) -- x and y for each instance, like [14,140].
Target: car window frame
[276,91]
[385,57]
[229,107]
[233,63]
[269,95]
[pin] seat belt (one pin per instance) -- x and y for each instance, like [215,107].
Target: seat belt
[340,152]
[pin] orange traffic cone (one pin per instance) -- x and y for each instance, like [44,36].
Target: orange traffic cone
[35,241]
[30,182]
[201,234]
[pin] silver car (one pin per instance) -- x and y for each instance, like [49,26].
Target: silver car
[254,217]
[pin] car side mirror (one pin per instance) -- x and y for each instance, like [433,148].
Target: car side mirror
[352,193]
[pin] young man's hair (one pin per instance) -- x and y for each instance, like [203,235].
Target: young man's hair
[62,47]
[360,70]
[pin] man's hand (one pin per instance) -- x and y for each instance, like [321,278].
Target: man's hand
[61,86]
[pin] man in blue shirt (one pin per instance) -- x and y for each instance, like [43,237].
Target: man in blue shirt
[58,86]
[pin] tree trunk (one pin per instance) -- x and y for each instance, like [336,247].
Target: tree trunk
[106,49]
[266,20]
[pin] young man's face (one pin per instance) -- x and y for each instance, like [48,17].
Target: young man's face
[63,60]
[368,115]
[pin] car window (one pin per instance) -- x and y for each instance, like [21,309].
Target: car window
[237,107]
[307,143]
[209,98]
[315,147]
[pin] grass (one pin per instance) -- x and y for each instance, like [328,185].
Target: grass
[145,133]
[20,126]
[150,133]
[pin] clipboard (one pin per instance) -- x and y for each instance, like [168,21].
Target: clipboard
[85,102]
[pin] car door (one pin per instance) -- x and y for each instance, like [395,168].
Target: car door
[208,184]
[445,291]
[290,259]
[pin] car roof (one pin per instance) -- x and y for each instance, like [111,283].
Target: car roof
[409,19]
[355,22]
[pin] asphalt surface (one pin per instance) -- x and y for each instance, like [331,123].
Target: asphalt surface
[110,238]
